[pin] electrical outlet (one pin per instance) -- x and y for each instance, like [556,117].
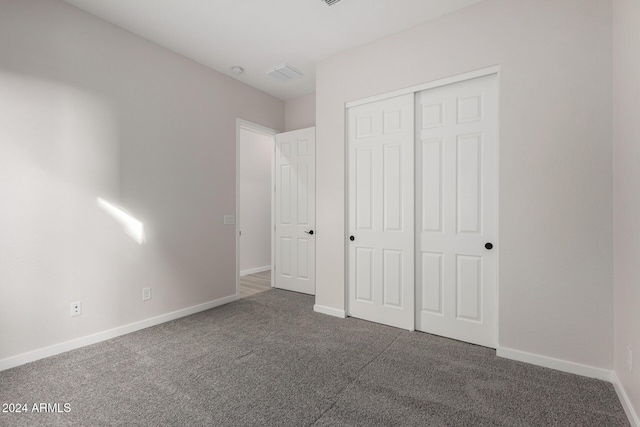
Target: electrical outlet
[630,358]
[76,308]
[146,294]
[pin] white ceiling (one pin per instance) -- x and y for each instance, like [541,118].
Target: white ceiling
[261,34]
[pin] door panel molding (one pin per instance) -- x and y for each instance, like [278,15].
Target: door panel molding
[466,187]
[381,212]
[454,149]
[295,211]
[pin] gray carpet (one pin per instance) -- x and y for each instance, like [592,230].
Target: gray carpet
[269,360]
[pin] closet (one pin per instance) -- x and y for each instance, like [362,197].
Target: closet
[423,210]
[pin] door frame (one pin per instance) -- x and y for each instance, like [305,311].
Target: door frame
[482,72]
[254,127]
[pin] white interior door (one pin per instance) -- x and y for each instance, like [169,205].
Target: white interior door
[456,200]
[381,211]
[295,211]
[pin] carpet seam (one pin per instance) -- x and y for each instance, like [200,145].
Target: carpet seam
[355,378]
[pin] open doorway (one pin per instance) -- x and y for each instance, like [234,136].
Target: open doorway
[254,219]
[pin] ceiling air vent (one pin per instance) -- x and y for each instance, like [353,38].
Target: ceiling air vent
[331,2]
[284,73]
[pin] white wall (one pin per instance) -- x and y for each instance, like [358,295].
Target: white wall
[88,110]
[555,245]
[626,167]
[300,113]
[255,201]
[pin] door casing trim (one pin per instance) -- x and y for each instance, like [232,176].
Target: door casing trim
[494,69]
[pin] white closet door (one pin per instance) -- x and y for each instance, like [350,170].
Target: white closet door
[381,211]
[295,211]
[456,204]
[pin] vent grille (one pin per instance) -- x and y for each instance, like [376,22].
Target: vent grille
[284,73]
[331,2]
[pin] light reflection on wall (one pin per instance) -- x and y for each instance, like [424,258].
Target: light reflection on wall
[131,226]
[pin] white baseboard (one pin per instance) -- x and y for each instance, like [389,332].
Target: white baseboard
[330,311]
[634,420]
[557,364]
[255,270]
[21,359]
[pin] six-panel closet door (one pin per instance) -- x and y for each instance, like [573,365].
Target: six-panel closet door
[381,211]
[421,245]
[456,210]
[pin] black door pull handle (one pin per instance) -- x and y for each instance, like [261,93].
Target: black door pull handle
[309,232]
[352,238]
[488,246]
